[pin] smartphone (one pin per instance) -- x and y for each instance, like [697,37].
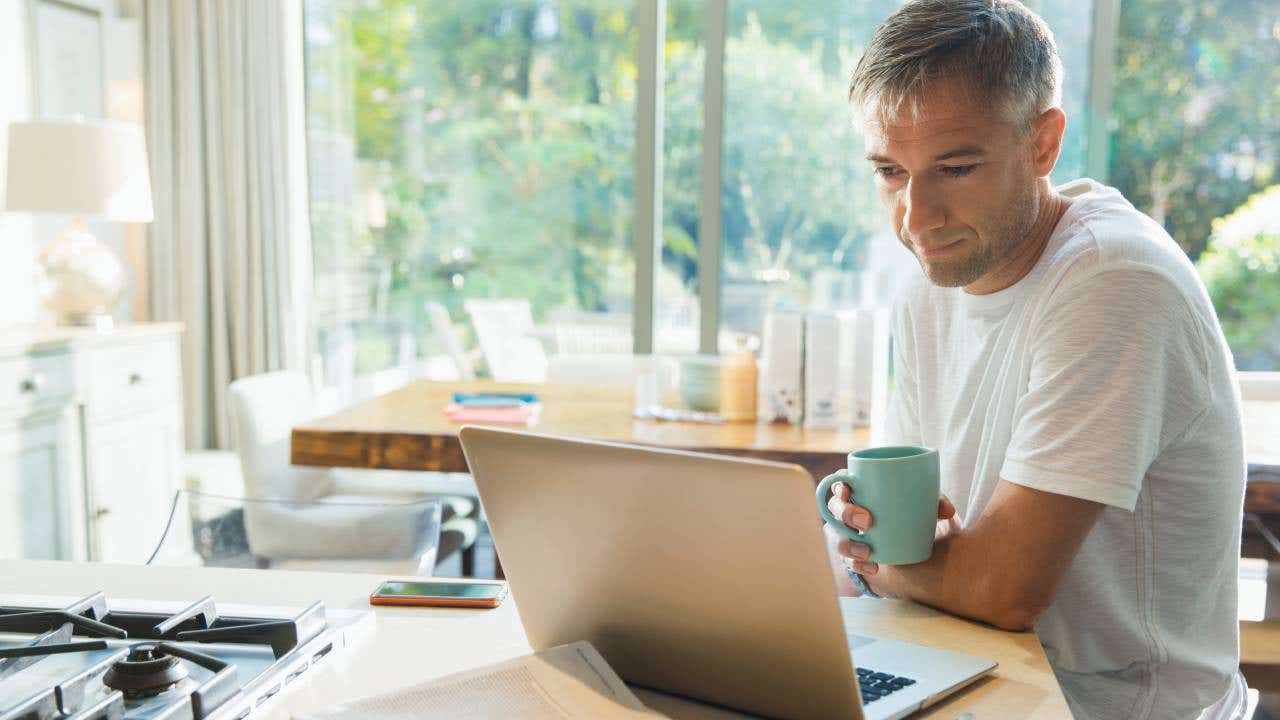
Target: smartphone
[469,593]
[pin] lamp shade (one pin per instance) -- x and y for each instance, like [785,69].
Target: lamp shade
[95,168]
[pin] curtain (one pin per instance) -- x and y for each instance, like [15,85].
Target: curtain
[230,245]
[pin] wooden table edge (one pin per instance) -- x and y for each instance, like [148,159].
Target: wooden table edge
[392,450]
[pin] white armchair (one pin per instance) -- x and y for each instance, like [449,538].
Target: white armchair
[264,409]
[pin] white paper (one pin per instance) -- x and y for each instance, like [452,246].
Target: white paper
[782,379]
[828,370]
[568,681]
[871,366]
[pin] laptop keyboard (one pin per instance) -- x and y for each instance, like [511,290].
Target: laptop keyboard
[875,685]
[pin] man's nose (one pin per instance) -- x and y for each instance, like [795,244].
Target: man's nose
[921,210]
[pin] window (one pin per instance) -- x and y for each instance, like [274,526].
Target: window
[1197,94]
[487,150]
[465,150]
[677,311]
[801,217]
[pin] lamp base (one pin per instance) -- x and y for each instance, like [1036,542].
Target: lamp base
[80,279]
[101,322]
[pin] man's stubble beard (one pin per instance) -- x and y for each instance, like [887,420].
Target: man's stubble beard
[1011,229]
[961,271]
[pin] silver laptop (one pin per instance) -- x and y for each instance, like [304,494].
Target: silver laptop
[700,575]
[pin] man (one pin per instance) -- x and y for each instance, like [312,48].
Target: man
[1066,362]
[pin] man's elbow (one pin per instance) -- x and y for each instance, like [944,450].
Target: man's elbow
[1016,618]
[1016,607]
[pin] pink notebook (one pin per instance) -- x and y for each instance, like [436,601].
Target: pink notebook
[520,415]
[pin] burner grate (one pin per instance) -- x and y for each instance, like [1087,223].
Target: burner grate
[142,658]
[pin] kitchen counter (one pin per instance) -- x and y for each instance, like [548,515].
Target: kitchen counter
[409,645]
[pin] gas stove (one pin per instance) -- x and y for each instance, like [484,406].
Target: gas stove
[87,659]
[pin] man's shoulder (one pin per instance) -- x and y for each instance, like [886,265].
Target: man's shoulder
[1103,239]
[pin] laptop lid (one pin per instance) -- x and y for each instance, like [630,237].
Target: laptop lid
[701,575]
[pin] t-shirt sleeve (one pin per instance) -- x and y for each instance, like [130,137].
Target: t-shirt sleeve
[902,423]
[1117,371]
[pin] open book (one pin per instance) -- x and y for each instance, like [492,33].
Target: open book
[568,681]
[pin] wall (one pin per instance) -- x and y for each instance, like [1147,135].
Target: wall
[17,289]
[21,237]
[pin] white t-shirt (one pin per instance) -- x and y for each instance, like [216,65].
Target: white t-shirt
[1104,375]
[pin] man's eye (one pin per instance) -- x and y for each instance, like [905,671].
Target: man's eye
[958,170]
[887,172]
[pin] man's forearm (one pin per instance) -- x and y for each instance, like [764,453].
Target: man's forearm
[1004,569]
[960,578]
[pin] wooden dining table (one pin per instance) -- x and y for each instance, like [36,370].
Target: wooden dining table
[407,429]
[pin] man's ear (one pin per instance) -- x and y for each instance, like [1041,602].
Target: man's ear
[1046,140]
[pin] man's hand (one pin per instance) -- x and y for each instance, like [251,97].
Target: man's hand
[854,554]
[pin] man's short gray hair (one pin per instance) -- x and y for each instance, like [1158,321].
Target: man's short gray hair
[998,52]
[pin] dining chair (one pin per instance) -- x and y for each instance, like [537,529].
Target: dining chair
[442,329]
[503,331]
[331,534]
[264,409]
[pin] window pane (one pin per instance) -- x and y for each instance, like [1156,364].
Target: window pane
[676,308]
[466,150]
[1071,23]
[801,217]
[1197,94]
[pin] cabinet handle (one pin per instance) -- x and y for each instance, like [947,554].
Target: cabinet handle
[135,379]
[101,513]
[32,385]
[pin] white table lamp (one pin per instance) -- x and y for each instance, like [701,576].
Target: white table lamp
[81,168]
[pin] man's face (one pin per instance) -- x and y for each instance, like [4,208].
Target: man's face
[959,184]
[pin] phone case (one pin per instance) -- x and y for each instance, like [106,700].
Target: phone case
[423,601]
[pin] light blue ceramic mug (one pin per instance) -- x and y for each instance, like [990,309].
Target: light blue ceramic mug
[900,486]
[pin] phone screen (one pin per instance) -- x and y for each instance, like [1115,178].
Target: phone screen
[472,591]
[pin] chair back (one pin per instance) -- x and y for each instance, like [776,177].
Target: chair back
[264,409]
[502,330]
[442,328]
[590,333]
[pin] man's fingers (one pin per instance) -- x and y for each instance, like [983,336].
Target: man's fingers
[851,550]
[855,516]
[946,509]
[862,567]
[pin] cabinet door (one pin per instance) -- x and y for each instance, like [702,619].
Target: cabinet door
[133,469]
[38,508]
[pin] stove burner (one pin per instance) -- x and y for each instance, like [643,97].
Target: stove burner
[148,670]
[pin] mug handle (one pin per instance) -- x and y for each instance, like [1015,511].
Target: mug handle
[824,490]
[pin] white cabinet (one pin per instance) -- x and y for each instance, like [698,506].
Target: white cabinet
[38,489]
[133,467]
[89,467]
